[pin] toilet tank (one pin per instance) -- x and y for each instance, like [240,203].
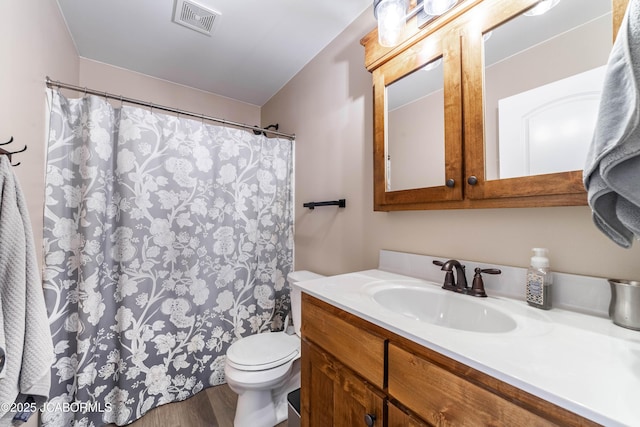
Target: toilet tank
[296,295]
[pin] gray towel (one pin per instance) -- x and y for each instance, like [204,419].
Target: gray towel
[612,170]
[25,337]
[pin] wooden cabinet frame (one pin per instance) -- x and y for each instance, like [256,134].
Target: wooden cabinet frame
[445,44]
[457,36]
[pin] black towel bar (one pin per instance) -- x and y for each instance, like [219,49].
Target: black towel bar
[339,203]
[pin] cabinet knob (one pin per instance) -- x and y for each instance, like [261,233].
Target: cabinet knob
[472,180]
[369,420]
[450,183]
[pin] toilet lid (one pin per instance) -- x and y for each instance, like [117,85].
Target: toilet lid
[263,351]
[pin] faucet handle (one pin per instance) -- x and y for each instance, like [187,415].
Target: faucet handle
[477,288]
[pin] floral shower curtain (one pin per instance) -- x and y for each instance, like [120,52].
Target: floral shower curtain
[165,240]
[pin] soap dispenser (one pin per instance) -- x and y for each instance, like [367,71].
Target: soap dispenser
[539,280]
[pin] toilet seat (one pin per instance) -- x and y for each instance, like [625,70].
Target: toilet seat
[263,351]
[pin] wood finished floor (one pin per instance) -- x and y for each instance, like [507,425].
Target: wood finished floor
[212,407]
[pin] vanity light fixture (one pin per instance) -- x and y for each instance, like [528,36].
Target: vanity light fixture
[542,7]
[391,18]
[392,15]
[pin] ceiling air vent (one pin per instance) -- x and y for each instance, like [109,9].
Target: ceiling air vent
[196,17]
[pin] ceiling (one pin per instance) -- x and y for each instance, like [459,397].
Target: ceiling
[255,47]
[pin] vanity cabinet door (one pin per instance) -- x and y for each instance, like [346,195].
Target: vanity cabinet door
[332,395]
[342,368]
[396,417]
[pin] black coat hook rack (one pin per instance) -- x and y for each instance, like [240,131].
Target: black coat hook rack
[339,203]
[11,153]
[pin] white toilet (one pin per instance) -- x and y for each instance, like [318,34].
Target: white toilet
[263,368]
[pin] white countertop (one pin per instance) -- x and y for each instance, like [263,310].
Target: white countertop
[583,363]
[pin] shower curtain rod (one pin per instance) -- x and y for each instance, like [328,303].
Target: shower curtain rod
[58,84]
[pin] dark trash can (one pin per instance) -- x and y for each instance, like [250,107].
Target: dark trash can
[293,399]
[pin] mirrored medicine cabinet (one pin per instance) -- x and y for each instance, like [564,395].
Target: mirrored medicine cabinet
[489,105]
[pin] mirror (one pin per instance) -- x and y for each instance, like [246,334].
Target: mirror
[415,129]
[542,81]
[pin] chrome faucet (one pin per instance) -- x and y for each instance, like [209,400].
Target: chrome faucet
[449,281]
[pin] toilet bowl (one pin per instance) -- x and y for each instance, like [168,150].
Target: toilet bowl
[263,368]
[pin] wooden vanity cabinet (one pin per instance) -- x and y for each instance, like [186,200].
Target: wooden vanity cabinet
[355,372]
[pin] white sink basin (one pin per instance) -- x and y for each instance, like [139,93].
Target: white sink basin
[443,308]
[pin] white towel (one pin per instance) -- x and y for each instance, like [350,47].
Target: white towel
[24,326]
[612,170]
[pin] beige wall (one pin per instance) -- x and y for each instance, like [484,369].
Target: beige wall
[328,105]
[119,81]
[34,43]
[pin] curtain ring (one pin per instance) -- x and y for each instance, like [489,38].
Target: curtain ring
[151,103]
[85,91]
[202,117]
[121,102]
